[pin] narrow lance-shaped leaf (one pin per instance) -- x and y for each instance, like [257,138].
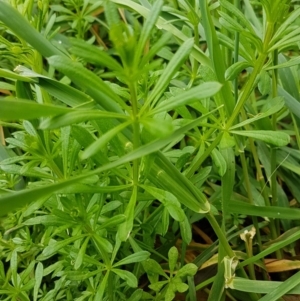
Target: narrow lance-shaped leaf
[260,286]
[235,69]
[90,82]
[12,75]
[13,109]
[81,253]
[204,90]
[136,257]
[77,116]
[168,200]
[127,276]
[53,248]
[125,228]
[283,288]
[38,280]
[66,94]
[105,138]
[147,28]
[177,60]
[102,286]
[267,211]
[276,105]
[291,102]
[93,54]
[273,137]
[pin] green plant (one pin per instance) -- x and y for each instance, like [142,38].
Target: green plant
[115,151]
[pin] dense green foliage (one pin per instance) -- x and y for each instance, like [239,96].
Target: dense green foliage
[143,141]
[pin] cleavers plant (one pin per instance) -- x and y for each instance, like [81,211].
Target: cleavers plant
[126,122]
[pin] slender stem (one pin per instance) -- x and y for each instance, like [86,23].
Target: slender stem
[55,168]
[236,53]
[250,197]
[197,43]
[205,155]
[245,93]
[221,236]
[136,130]
[274,126]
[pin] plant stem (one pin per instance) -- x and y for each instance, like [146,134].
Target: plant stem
[207,152]
[250,197]
[221,236]
[245,93]
[136,130]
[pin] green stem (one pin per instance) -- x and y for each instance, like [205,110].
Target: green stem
[274,126]
[221,236]
[207,152]
[245,93]
[250,197]
[55,169]
[197,43]
[136,130]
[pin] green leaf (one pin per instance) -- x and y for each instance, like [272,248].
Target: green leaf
[275,105]
[93,54]
[148,26]
[189,269]
[38,280]
[219,161]
[273,137]
[291,102]
[96,146]
[13,109]
[168,200]
[152,267]
[267,211]
[204,90]
[173,257]
[283,288]
[104,245]
[238,14]
[127,276]
[292,62]
[177,60]
[235,69]
[135,257]
[52,249]
[12,75]
[137,295]
[264,84]
[113,221]
[14,266]
[170,293]
[81,253]
[89,81]
[182,287]
[158,127]
[125,228]
[101,287]
[157,286]
[185,230]
[260,286]
[65,93]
